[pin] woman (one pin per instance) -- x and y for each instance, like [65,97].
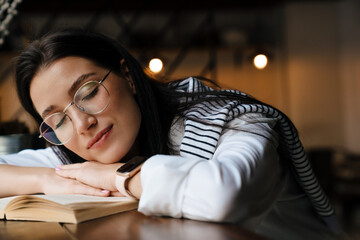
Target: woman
[212,155]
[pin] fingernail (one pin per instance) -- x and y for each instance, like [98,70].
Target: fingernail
[105,191]
[57,169]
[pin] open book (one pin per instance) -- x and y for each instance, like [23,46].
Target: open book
[62,208]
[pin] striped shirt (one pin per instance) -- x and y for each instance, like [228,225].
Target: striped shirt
[204,123]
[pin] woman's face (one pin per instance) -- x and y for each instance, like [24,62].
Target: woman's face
[105,137]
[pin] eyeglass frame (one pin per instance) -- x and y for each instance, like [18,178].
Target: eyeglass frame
[73,103]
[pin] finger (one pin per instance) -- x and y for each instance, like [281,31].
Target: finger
[87,190]
[67,173]
[116,194]
[70,166]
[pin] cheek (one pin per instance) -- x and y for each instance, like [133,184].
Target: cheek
[129,120]
[134,114]
[125,108]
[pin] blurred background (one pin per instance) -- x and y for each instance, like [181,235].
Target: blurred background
[309,65]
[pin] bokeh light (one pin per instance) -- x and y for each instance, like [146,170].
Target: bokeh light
[155,65]
[260,61]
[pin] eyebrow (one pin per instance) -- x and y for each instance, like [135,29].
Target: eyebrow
[47,111]
[76,84]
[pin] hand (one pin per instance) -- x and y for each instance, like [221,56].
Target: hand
[54,184]
[94,174]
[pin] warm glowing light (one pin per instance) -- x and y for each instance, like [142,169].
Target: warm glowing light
[260,61]
[155,65]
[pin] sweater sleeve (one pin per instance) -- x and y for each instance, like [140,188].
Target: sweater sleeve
[32,158]
[239,184]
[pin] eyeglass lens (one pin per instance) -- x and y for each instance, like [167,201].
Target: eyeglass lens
[57,128]
[91,98]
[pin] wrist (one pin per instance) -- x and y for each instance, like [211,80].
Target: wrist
[134,185]
[43,179]
[114,176]
[125,176]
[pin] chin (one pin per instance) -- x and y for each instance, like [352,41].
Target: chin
[114,157]
[109,155]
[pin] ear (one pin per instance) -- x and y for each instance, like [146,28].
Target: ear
[123,68]
[126,72]
[132,85]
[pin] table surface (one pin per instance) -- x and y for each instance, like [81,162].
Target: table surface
[127,225]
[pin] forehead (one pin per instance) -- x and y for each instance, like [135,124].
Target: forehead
[50,85]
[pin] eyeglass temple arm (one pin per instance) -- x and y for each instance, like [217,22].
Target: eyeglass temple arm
[105,76]
[41,134]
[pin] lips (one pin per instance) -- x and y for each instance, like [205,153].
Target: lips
[99,137]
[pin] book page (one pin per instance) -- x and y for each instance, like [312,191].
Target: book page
[67,199]
[69,208]
[70,200]
[3,203]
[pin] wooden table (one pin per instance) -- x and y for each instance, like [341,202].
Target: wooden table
[128,225]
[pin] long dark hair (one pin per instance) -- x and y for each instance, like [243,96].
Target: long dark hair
[158,101]
[106,53]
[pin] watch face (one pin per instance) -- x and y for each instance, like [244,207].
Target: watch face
[131,164]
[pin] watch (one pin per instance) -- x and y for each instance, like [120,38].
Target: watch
[126,172]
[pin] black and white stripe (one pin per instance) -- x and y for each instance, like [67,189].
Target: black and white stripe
[200,140]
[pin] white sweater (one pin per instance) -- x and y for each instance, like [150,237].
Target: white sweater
[244,182]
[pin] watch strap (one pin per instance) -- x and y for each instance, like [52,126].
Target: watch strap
[126,172]
[122,186]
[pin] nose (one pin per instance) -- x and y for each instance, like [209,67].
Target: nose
[82,121]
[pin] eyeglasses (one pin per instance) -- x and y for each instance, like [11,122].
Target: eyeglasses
[91,98]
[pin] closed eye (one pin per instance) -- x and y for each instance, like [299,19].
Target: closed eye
[91,94]
[60,123]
